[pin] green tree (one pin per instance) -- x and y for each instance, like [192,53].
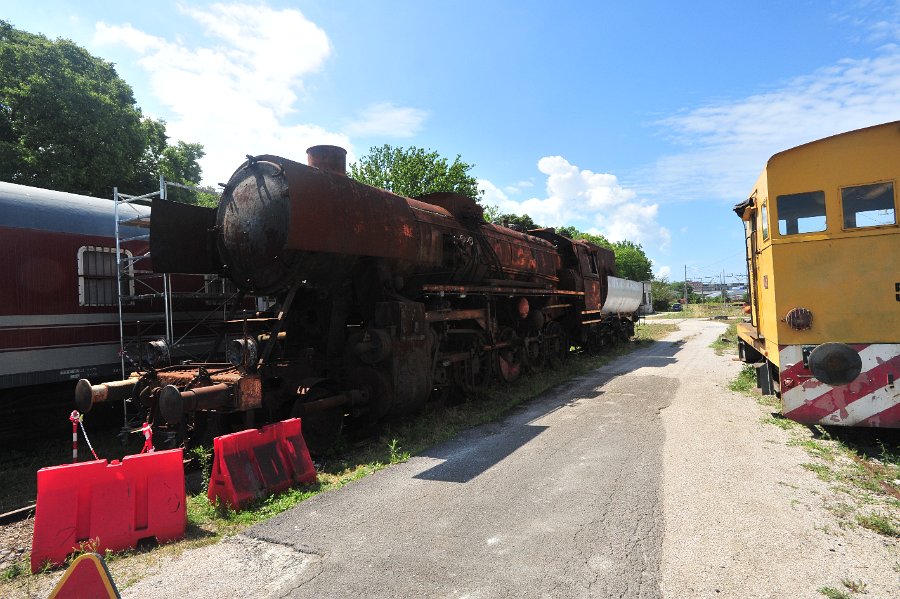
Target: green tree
[663,294]
[631,261]
[413,172]
[69,122]
[522,222]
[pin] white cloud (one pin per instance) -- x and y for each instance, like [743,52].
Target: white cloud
[517,188]
[590,201]
[233,95]
[663,272]
[493,195]
[388,120]
[726,145]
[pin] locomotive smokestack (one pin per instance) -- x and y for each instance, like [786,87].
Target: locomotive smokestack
[328,158]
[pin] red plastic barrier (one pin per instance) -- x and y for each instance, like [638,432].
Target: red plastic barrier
[100,505]
[257,462]
[296,453]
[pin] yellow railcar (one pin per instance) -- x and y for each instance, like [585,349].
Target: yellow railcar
[823,257]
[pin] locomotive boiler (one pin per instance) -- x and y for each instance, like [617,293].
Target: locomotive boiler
[381,301]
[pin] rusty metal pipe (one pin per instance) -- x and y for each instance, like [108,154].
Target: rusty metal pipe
[332,159]
[325,403]
[86,394]
[174,403]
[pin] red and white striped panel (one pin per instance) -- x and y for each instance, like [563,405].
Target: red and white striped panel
[870,400]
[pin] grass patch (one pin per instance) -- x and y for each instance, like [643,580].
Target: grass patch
[780,421]
[703,311]
[745,381]
[880,523]
[821,470]
[727,341]
[833,593]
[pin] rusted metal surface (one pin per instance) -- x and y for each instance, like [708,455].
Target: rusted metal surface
[478,315]
[86,395]
[332,159]
[799,319]
[173,403]
[480,289]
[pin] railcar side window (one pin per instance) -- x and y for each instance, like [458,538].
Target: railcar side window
[592,260]
[868,205]
[801,212]
[97,276]
[764,216]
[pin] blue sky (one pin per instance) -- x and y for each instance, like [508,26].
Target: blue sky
[644,121]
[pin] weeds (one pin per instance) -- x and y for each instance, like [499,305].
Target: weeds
[880,523]
[854,586]
[13,571]
[745,381]
[833,593]
[780,421]
[727,341]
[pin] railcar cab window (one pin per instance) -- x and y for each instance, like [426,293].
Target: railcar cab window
[801,212]
[868,205]
[97,276]
[592,261]
[764,217]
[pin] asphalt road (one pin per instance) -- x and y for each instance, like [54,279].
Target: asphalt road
[646,478]
[560,499]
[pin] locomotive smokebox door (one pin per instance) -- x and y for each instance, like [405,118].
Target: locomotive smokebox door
[182,238]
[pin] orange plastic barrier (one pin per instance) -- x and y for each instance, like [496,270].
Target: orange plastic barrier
[99,505]
[257,462]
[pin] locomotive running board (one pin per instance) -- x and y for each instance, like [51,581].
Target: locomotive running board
[482,290]
[182,238]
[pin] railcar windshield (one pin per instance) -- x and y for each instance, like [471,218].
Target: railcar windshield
[868,205]
[801,212]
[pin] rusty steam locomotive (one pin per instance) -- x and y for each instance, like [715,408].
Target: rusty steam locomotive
[382,301]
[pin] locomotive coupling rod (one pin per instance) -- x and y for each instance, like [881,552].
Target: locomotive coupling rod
[174,403]
[322,404]
[86,394]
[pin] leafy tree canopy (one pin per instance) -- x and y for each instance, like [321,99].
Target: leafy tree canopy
[413,172]
[69,122]
[631,261]
[522,222]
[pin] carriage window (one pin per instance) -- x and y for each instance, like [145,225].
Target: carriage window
[801,212]
[764,216]
[592,260]
[868,205]
[97,276]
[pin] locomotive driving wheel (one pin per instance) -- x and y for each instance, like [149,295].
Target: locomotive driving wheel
[508,358]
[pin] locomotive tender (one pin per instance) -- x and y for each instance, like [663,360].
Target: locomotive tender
[383,301]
